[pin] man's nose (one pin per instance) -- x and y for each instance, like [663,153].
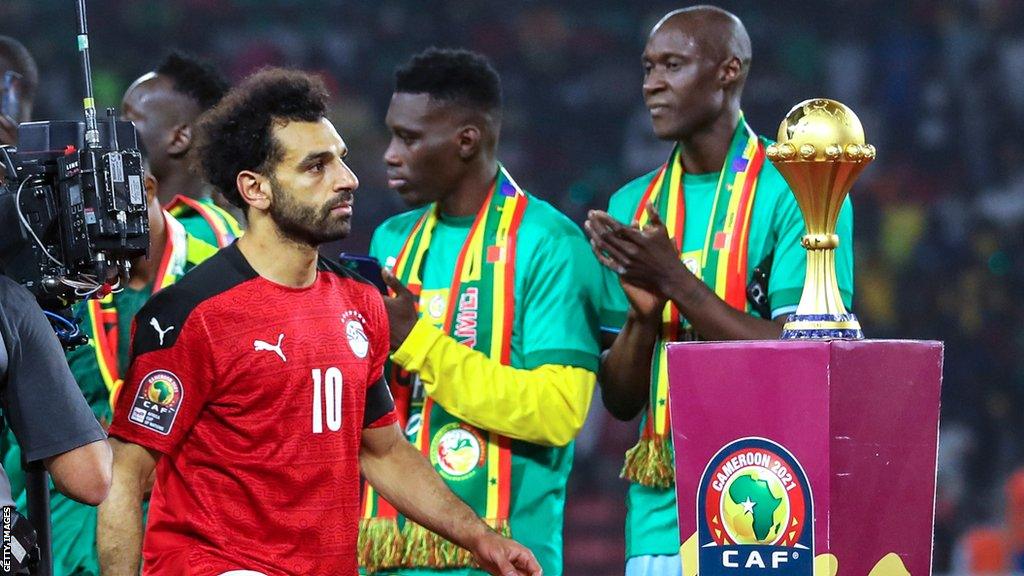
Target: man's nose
[653,82]
[346,180]
[391,157]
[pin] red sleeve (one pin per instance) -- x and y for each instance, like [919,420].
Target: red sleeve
[168,383]
[380,406]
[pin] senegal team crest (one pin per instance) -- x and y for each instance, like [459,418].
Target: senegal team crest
[436,305]
[456,451]
[157,401]
[754,512]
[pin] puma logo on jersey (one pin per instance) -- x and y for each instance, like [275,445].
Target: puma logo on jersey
[261,346]
[160,332]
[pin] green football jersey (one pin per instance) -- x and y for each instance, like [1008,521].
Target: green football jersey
[557,289]
[776,227]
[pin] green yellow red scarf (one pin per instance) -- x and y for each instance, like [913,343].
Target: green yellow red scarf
[722,266]
[224,227]
[476,463]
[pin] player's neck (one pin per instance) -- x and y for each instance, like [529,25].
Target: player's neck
[277,258]
[472,190]
[706,149]
[144,269]
[181,181]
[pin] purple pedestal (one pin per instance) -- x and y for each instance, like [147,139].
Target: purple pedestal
[802,454]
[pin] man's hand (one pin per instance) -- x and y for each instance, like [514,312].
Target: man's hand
[504,557]
[8,131]
[401,307]
[646,305]
[400,473]
[646,259]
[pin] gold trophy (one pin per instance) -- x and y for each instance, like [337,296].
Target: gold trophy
[820,152]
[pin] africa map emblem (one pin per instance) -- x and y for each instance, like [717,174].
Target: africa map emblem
[754,512]
[162,391]
[157,401]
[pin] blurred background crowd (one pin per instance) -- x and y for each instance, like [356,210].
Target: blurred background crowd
[938,84]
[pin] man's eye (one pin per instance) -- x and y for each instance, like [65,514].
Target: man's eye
[318,167]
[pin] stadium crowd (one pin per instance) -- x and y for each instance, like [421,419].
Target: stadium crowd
[939,86]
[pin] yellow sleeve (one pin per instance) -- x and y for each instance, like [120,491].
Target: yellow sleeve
[546,405]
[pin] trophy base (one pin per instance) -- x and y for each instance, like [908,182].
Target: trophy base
[822,327]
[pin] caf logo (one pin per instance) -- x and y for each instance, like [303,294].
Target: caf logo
[754,512]
[157,401]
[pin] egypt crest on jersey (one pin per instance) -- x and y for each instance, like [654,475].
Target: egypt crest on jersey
[355,333]
[754,512]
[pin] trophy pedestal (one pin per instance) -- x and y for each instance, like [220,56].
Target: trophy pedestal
[798,453]
[819,326]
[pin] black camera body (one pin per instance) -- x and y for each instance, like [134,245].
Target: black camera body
[72,216]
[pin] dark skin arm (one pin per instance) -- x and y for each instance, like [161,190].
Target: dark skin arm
[651,273]
[625,372]
[402,475]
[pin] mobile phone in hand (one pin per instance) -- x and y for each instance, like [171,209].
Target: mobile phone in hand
[10,96]
[367,267]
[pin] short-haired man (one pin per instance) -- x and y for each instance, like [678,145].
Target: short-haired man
[684,241]
[256,389]
[18,69]
[164,105]
[493,323]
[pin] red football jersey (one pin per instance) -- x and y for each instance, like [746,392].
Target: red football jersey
[256,394]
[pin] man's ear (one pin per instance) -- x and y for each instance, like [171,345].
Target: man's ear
[152,186]
[469,140]
[730,71]
[255,189]
[181,140]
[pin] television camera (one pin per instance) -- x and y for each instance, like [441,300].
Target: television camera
[73,209]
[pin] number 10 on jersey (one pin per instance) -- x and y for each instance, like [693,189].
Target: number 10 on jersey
[326,391]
